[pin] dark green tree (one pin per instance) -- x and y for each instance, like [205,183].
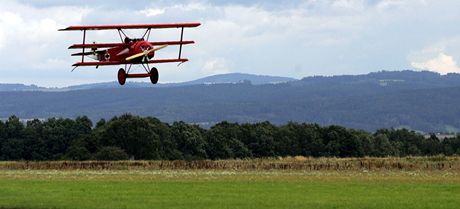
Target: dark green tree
[259,138]
[12,144]
[451,146]
[341,142]
[2,130]
[300,139]
[382,146]
[111,153]
[35,147]
[14,128]
[431,146]
[83,126]
[100,123]
[77,153]
[133,134]
[59,134]
[168,148]
[406,142]
[12,149]
[223,142]
[189,140]
[2,136]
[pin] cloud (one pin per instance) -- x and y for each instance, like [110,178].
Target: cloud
[191,6]
[29,38]
[33,31]
[152,12]
[2,38]
[383,5]
[156,9]
[438,56]
[390,4]
[442,64]
[215,66]
[349,4]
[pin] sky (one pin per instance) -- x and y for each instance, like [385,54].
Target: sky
[296,38]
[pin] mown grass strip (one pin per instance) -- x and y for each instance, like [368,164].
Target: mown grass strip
[226,189]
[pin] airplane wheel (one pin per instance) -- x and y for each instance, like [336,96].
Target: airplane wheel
[154,75]
[121,76]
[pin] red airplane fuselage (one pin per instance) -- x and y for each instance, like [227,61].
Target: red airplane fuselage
[120,53]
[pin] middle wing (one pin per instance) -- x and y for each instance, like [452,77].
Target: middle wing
[110,45]
[126,62]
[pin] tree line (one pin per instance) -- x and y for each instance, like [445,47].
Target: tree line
[133,137]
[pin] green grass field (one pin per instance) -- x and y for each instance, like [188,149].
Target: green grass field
[228,189]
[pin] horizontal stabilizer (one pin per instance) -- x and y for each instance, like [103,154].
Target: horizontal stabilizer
[85,54]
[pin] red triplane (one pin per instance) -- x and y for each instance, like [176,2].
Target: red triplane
[131,51]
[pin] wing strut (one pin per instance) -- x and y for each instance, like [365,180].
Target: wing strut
[147,33]
[181,38]
[119,33]
[83,51]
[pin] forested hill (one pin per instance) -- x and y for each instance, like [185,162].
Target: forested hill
[214,79]
[422,101]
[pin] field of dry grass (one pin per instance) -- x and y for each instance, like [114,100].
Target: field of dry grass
[298,163]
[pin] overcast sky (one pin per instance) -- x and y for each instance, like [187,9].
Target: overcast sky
[295,38]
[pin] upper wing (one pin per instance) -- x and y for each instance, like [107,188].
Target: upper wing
[135,26]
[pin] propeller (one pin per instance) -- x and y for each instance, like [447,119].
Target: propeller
[145,53]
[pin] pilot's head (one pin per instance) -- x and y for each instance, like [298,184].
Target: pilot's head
[128,40]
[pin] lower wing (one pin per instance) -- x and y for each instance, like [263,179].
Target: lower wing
[127,62]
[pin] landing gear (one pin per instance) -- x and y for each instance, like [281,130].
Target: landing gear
[121,76]
[154,75]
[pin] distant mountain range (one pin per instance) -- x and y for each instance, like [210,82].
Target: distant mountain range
[214,79]
[18,87]
[423,101]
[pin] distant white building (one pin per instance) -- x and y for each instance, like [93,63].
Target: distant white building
[440,136]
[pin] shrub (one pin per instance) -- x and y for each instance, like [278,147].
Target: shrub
[111,153]
[77,153]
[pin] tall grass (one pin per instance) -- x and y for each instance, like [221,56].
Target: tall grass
[297,163]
